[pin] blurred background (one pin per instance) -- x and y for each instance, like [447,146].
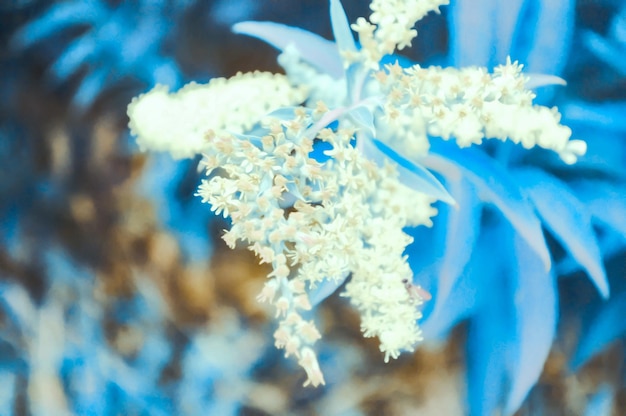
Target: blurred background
[118,297]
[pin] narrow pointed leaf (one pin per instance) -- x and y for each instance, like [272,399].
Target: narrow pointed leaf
[543,80]
[494,185]
[341,27]
[90,87]
[608,325]
[568,219]
[506,18]
[490,335]
[471,32]
[411,174]
[314,49]
[74,56]
[535,304]
[56,18]
[553,22]
[467,294]
[605,50]
[605,201]
[462,227]
[487,362]
[609,116]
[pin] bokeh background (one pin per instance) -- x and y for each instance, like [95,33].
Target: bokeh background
[118,297]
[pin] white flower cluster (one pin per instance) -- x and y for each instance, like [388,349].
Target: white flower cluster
[390,27]
[468,105]
[177,122]
[346,217]
[321,222]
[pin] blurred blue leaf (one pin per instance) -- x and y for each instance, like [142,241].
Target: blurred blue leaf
[607,50]
[490,334]
[472,31]
[461,225]
[313,49]
[341,27]
[606,201]
[553,22]
[608,115]
[601,403]
[117,41]
[494,185]
[606,326]
[467,292]
[58,17]
[568,219]
[90,87]
[76,54]
[18,306]
[536,304]
[8,382]
[411,174]
[542,80]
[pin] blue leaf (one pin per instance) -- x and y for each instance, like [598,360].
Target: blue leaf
[8,380]
[606,202]
[601,403]
[462,224]
[485,32]
[356,77]
[324,289]
[607,115]
[58,17]
[468,291]
[411,174]
[606,50]
[607,325]
[535,303]
[76,54]
[90,87]
[471,32]
[162,71]
[363,117]
[17,305]
[288,113]
[543,80]
[553,24]
[341,27]
[494,185]
[490,335]
[314,49]
[568,219]
[506,18]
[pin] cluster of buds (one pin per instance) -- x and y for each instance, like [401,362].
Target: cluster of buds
[390,27]
[469,105]
[339,218]
[345,217]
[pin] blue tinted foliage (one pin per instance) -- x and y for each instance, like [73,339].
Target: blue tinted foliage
[519,229]
[569,203]
[115,42]
[509,294]
[60,345]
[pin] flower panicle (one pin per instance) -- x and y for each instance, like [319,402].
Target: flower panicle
[390,27]
[469,105]
[346,220]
